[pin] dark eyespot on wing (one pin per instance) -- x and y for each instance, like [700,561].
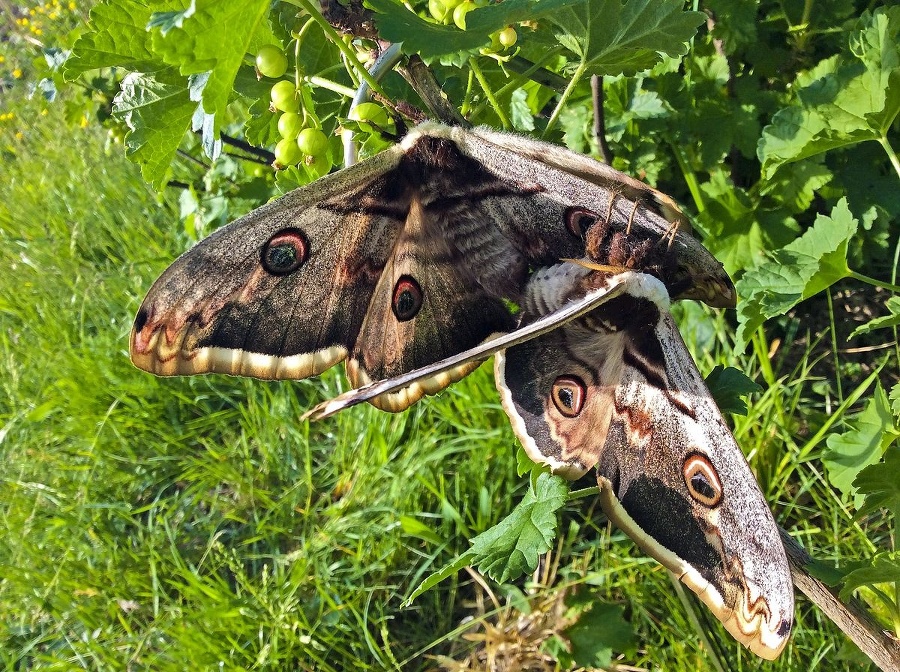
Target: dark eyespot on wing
[141,319]
[285,252]
[578,220]
[702,480]
[568,395]
[407,298]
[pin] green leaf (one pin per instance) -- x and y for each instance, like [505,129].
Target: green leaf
[432,580]
[798,271]
[512,547]
[727,385]
[861,446]
[216,38]
[158,110]
[855,97]
[611,37]
[118,37]
[892,320]
[416,528]
[885,568]
[880,484]
[737,230]
[895,400]
[598,632]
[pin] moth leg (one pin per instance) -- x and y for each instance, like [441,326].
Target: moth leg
[631,218]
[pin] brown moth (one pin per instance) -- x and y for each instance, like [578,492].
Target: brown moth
[399,261]
[598,376]
[405,266]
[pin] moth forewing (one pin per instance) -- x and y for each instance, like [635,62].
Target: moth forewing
[675,480]
[405,259]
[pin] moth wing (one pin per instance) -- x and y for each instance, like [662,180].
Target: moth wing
[617,389]
[324,273]
[625,202]
[674,479]
[430,379]
[222,307]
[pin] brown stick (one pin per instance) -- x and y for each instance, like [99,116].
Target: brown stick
[852,618]
[422,81]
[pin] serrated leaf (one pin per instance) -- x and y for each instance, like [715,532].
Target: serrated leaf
[512,547]
[885,322]
[158,110]
[798,271]
[727,385]
[895,400]
[261,128]
[737,230]
[598,632]
[797,187]
[880,484]
[885,568]
[117,37]
[849,453]
[216,38]
[611,37]
[855,98]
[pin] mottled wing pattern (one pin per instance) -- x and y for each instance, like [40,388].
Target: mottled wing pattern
[617,389]
[394,264]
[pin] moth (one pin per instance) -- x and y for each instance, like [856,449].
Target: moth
[408,266]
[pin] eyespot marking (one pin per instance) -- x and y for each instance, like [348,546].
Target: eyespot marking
[569,394]
[285,252]
[579,220]
[702,481]
[407,299]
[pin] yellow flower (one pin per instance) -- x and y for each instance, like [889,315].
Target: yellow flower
[2,58]
[72,6]
[36,31]
[17,73]
[19,135]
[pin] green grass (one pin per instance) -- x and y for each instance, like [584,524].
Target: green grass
[197,523]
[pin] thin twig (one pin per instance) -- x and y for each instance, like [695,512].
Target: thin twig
[852,618]
[263,155]
[422,81]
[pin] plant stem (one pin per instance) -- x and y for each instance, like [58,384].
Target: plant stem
[486,87]
[328,84]
[690,177]
[834,347]
[576,78]
[872,281]
[892,155]
[332,34]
